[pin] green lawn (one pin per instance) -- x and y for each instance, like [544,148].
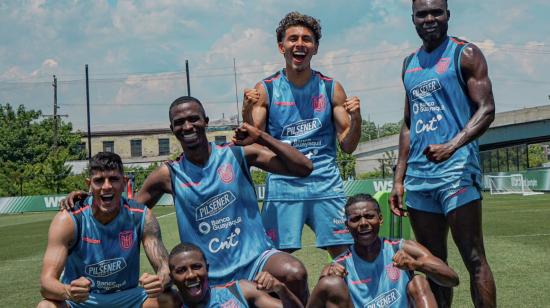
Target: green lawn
[517,239]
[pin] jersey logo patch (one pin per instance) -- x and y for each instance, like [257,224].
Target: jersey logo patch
[393,272]
[106,267]
[226,173]
[301,128]
[424,89]
[214,205]
[126,239]
[442,65]
[385,299]
[319,103]
[232,303]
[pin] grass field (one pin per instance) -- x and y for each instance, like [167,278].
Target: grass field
[517,240]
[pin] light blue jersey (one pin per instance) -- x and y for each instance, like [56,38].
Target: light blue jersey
[107,255]
[303,118]
[439,109]
[376,284]
[217,210]
[228,296]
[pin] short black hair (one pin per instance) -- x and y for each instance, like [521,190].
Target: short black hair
[183,100]
[106,161]
[298,19]
[361,198]
[184,247]
[446,3]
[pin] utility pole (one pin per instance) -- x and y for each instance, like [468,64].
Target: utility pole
[187,77]
[236,94]
[88,116]
[55,116]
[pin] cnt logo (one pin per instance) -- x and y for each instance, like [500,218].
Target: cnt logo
[231,241]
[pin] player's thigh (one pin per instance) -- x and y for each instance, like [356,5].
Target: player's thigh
[51,304]
[431,230]
[466,228]
[327,219]
[283,222]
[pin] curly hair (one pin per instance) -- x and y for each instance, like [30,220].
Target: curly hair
[298,19]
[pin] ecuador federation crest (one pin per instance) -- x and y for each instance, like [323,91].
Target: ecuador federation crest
[126,239]
[392,272]
[319,103]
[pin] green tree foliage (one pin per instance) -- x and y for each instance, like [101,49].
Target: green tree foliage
[346,164]
[536,155]
[29,163]
[258,176]
[370,131]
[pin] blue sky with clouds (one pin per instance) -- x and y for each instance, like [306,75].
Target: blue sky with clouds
[136,52]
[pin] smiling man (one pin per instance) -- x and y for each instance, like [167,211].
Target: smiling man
[189,272]
[378,272]
[311,112]
[97,245]
[448,105]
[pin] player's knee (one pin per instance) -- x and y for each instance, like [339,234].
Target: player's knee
[333,288]
[294,270]
[47,304]
[418,287]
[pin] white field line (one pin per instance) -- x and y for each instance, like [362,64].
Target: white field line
[166,215]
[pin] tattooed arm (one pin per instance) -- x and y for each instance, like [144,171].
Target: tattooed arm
[154,247]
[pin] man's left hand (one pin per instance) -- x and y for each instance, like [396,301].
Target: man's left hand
[438,153]
[404,261]
[246,134]
[353,106]
[152,284]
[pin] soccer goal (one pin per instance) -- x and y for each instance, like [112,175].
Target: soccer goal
[509,184]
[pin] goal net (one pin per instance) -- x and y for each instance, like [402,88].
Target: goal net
[509,184]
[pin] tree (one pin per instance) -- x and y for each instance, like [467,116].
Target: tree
[28,161]
[536,155]
[346,164]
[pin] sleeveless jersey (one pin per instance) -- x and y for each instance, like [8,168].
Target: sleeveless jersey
[217,209]
[302,117]
[228,296]
[439,109]
[107,255]
[378,283]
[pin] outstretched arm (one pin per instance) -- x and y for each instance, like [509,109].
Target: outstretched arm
[155,185]
[255,106]
[265,152]
[415,257]
[257,292]
[347,119]
[60,239]
[396,196]
[475,71]
[157,255]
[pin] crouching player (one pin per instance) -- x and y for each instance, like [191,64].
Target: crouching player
[96,246]
[377,272]
[189,272]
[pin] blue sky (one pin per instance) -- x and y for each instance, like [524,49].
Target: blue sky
[136,52]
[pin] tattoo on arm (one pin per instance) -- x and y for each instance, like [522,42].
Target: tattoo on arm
[152,243]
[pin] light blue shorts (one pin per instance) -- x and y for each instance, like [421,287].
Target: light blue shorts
[248,272]
[440,199]
[130,298]
[284,222]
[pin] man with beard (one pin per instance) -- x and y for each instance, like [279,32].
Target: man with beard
[448,104]
[378,272]
[310,111]
[189,272]
[215,201]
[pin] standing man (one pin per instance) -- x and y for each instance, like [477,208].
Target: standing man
[448,104]
[309,111]
[97,247]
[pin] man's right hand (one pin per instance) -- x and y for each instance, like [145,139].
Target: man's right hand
[72,198]
[396,200]
[334,269]
[251,97]
[79,290]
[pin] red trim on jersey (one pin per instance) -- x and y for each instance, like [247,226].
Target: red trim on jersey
[190,184]
[80,210]
[414,69]
[277,76]
[457,41]
[393,243]
[362,281]
[131,209]
[226,145]
[227,285]
[323,76]
[285,103]
[342,258]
